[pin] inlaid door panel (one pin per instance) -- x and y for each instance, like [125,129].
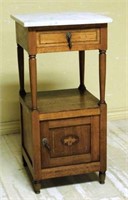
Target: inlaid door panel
[69,141]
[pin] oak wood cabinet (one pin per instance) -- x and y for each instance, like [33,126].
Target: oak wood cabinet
[63,131]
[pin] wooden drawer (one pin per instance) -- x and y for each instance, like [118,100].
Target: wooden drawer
[69,141]
[49,41]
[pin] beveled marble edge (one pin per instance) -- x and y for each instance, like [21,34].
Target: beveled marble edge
[56,19]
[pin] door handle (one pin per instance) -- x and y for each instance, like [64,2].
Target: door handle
[46,144]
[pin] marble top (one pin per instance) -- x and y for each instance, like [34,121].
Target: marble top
[56,19]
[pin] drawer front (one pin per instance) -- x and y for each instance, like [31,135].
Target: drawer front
[68,40]
[69,141]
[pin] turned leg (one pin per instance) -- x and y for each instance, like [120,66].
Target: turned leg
[20,54]
[103,116]
[37,186]
[102,177]
[33,80]
[102,75]
[81,70]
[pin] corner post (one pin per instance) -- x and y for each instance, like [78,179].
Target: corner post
[102,74]
[20,55]
[33,80]
[81,87]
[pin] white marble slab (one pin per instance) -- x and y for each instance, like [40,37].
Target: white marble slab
[56,19]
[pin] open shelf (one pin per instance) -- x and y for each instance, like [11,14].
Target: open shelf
[62,100]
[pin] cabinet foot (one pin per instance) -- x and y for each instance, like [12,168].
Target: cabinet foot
[102,177]
[37,186]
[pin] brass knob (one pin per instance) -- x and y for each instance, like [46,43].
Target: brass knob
[45,144]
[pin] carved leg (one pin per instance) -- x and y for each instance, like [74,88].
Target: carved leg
[102,177]
[37,186]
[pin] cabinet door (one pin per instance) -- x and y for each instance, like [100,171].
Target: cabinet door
[69,141]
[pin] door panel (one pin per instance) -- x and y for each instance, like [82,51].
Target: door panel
[69,141]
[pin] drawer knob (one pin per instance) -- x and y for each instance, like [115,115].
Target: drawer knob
[45,144]
[68,37]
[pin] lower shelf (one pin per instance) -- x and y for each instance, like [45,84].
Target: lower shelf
[63,103]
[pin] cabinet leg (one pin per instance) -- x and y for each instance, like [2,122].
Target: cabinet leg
[102,177]
[37,186]
[24,162]
[81,87]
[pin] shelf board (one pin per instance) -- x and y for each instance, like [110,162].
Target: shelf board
[62,101]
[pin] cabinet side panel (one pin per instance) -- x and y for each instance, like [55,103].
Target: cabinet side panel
[21,36]
[95,137]
[27,132]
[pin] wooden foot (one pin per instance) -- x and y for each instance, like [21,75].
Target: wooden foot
[102,177]
[37,186]
[24,162]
